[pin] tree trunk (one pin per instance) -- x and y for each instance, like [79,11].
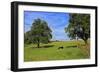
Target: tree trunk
[86,41]
[87,47]
[38,43]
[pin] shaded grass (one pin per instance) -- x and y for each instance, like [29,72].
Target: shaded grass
[51,52]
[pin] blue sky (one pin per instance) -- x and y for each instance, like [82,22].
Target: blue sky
[57,21]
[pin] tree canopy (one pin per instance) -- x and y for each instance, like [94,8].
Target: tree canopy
[79,26]
[39,32]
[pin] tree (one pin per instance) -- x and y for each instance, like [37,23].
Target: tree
[27,37]
[39,32]
[79,26]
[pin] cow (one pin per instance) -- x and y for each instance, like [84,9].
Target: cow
[61,47]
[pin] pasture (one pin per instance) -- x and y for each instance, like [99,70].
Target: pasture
[51,51]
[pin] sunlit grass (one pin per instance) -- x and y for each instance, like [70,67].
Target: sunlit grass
[71,50]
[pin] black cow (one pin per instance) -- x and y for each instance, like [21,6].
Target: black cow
[61,47]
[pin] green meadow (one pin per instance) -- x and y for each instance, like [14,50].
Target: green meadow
[71,50]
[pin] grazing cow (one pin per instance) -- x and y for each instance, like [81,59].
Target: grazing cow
[61,47]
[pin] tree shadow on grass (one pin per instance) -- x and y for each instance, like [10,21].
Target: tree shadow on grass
[75,46]
[45,46]
[72,46]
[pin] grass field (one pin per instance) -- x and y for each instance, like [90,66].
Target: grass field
[51,52]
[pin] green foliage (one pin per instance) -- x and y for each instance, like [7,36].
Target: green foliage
[79,25]
[27,37]
[39,33]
